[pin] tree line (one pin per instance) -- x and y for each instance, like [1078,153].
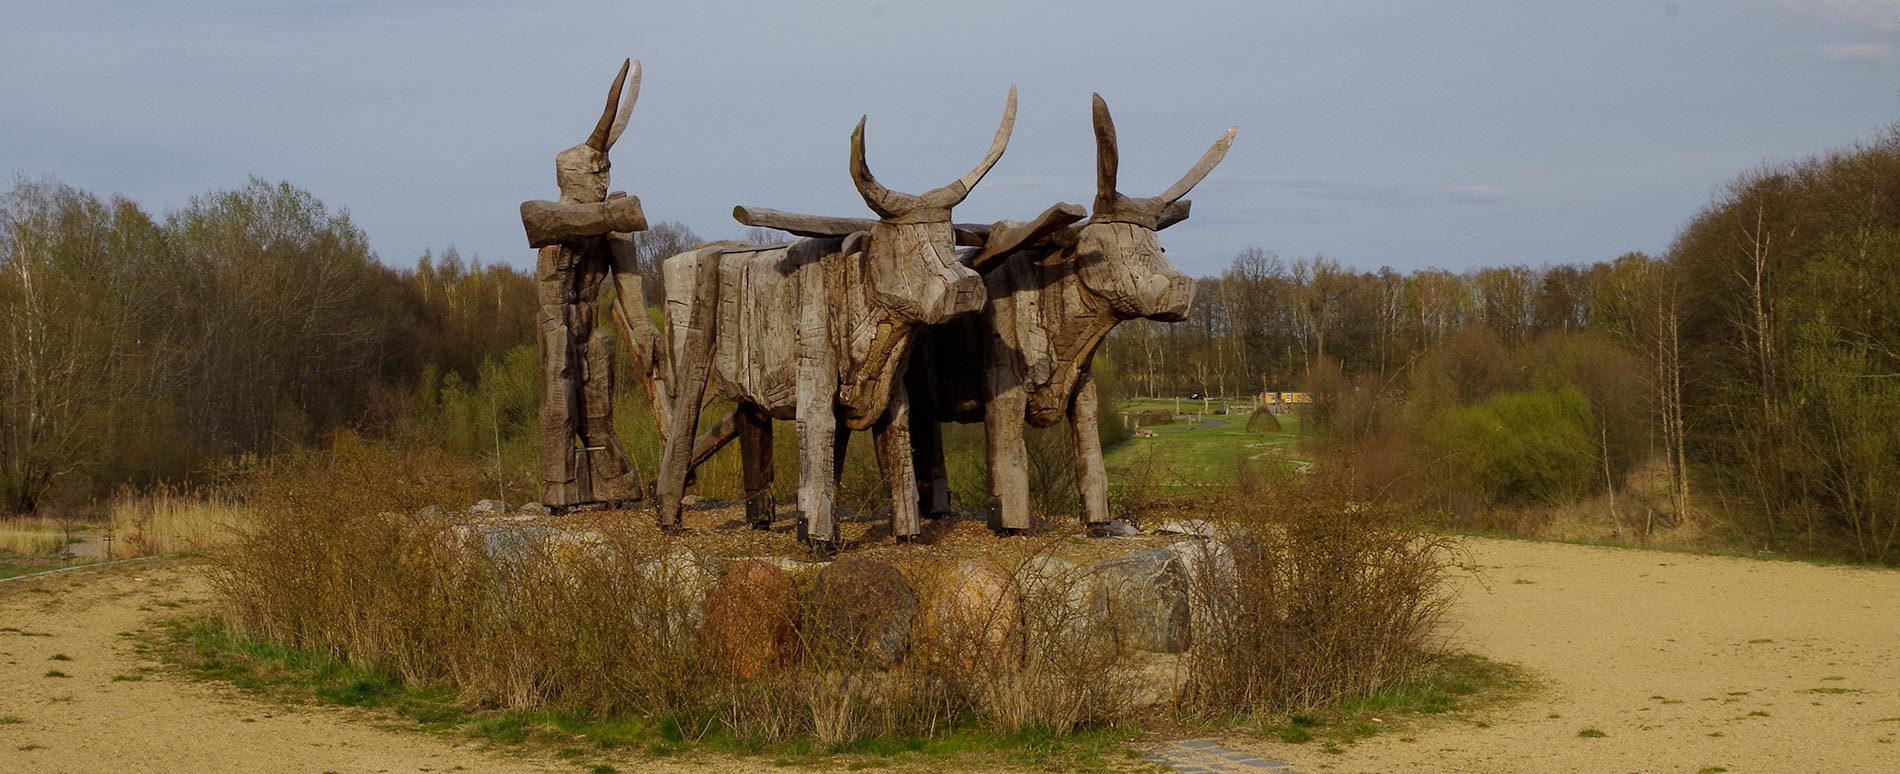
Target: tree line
[1756,363]
[1753,368]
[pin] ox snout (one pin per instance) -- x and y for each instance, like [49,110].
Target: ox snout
[962,294]
[1169,297]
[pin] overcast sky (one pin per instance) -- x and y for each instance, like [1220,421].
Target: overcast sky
[1410,134]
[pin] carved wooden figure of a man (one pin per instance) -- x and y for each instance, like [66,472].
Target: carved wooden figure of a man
[584,240]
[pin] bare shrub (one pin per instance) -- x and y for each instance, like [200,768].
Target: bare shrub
[1328,598]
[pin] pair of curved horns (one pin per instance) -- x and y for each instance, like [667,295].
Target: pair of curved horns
[613,120]
[888,203]
[1108,160]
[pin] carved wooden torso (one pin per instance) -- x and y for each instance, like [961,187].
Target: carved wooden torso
[1040,328]
[781,307]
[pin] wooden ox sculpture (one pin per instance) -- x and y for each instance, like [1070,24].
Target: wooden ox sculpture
[584,239]
[815,330]
[1026,356]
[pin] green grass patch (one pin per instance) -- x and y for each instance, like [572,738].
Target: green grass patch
[1183,455]
[56,673]
[11,720]
[1456,684]
[204,648]
[1591,733]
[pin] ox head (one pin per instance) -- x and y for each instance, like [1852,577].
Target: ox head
[911,258]
[1117,256]
[581,171]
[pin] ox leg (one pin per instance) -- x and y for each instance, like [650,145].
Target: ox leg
[1091,477]
[1009,460]
[755,461]
[926,441]
[933,478]
[818,457]
[895,462]
[694,366]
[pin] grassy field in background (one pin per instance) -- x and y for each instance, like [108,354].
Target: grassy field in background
[1184,454]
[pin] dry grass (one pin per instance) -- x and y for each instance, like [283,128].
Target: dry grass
[167,521]
[33,535]
[341,557]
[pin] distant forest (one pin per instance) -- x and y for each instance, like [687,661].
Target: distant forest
[1754,367]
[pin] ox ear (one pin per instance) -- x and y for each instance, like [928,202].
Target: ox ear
[1175,213]
[1009,236]
[855,242]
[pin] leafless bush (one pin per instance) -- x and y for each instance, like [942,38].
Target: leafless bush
[1328,597]
[342,556]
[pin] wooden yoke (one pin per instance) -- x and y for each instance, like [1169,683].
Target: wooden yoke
[1008,236]
[827,226]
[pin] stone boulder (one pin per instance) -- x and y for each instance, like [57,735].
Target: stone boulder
[1058,603]
[489,508]
[748,629]
[1212,583]
[1191,527]
[860,613]
[679,583]
[971,618]
[1144,598]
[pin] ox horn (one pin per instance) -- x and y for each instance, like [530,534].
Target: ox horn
[883,201]
[598,140]
[1201,168]
[1108,156]
[953,194]
[626,106]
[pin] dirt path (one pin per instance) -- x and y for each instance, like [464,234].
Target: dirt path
[1684,663]
[89,722]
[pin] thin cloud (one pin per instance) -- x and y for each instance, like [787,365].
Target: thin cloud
[1856,52]
[1474,194]
[1881,15]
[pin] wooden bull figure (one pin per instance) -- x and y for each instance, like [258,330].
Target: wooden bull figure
[816,331]
[584,239]
[1026,356]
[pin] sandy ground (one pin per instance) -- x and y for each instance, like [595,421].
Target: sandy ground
[88,722]
[1684,663]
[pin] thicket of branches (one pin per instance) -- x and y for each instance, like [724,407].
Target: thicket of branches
[135,350]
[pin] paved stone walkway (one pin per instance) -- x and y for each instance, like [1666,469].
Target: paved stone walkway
[1205,756]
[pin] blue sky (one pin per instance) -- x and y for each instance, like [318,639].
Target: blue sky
[1453,133]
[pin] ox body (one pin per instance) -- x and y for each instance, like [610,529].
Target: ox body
[815,331]
[1025,357]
